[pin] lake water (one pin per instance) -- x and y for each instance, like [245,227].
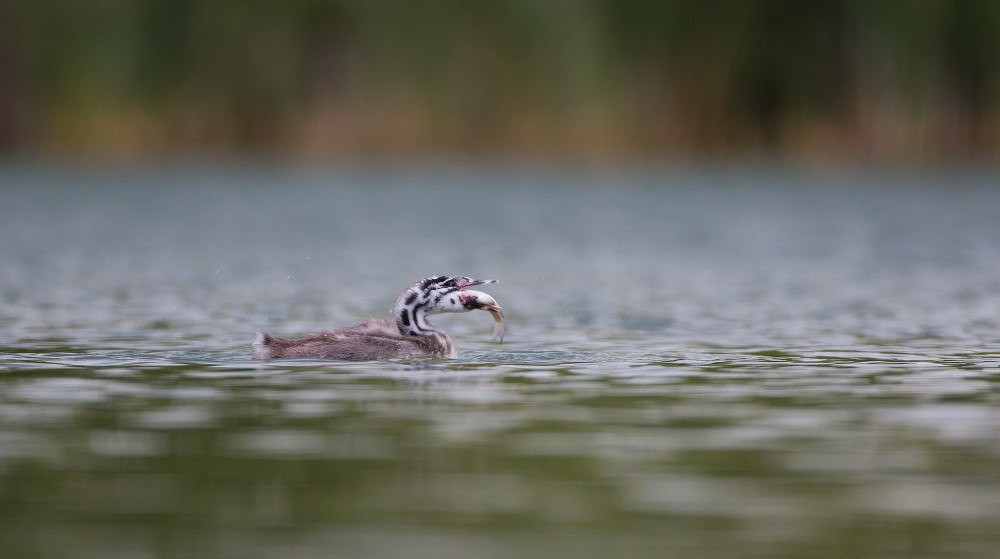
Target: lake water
[698,363]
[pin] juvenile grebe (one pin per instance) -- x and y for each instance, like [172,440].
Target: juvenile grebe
[410,336]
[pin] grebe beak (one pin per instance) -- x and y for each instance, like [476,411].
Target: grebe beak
[466,281]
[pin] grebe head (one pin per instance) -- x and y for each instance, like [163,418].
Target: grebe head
[459,282]
[441,294]
[428,292]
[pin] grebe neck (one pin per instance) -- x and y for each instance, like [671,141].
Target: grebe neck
[411,313]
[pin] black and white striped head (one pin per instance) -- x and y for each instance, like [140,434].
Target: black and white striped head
[448,283]
[440,294]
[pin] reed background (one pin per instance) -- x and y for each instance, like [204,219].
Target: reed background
[888,81]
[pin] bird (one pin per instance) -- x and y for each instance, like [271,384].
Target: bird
[409,335]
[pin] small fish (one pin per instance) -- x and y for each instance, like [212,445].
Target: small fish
[473,299]
[497,324]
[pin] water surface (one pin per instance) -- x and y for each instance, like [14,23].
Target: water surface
[699,363]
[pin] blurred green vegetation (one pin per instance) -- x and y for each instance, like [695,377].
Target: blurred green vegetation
[870,80]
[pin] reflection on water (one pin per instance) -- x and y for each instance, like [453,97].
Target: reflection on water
[697,364]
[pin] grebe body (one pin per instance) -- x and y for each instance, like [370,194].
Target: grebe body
[409,335]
